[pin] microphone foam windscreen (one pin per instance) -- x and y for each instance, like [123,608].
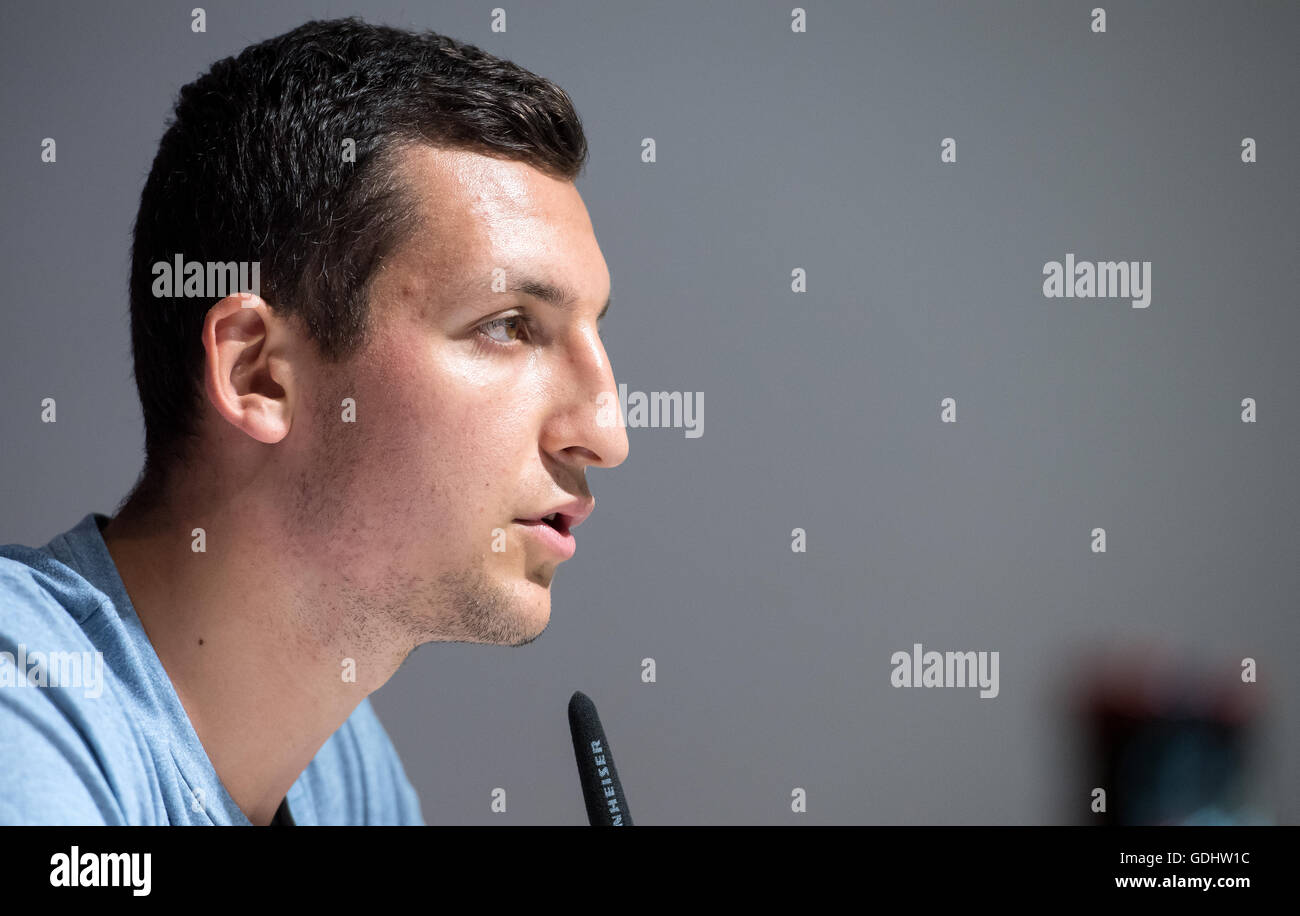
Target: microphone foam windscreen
[601,790]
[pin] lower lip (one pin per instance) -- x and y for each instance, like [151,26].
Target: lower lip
[563,544]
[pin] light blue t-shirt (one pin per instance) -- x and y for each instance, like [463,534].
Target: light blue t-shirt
[117,747]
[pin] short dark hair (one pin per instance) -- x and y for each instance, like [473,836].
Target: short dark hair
[251,168]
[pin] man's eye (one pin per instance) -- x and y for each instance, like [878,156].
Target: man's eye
[512,325]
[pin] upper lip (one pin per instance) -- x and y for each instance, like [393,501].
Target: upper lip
[571,514]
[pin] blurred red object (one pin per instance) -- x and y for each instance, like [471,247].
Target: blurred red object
[1169,739]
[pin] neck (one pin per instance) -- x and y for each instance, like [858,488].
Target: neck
[249,637]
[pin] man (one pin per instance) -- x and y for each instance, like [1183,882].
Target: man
[351,460]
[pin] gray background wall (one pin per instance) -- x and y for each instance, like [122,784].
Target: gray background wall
[819,150]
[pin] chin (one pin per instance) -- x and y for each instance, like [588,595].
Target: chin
[505,610]
[525,617]
[536,620]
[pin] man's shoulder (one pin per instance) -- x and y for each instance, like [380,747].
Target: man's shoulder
[70,743]
[34,586]
[50,613]
[356,777]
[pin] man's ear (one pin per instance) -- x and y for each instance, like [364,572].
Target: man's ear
[247,372]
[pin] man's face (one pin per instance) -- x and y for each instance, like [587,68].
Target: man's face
[476,407]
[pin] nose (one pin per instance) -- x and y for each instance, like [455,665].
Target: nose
[586,426]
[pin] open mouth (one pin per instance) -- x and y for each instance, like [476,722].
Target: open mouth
[557,521]
[552,532]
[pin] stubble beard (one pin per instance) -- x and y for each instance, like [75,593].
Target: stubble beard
[398,611]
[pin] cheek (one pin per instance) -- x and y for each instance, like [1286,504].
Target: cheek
[442,457]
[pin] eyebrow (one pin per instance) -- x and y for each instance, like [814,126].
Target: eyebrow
[559,296]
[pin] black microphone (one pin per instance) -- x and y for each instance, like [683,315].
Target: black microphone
[601,790]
